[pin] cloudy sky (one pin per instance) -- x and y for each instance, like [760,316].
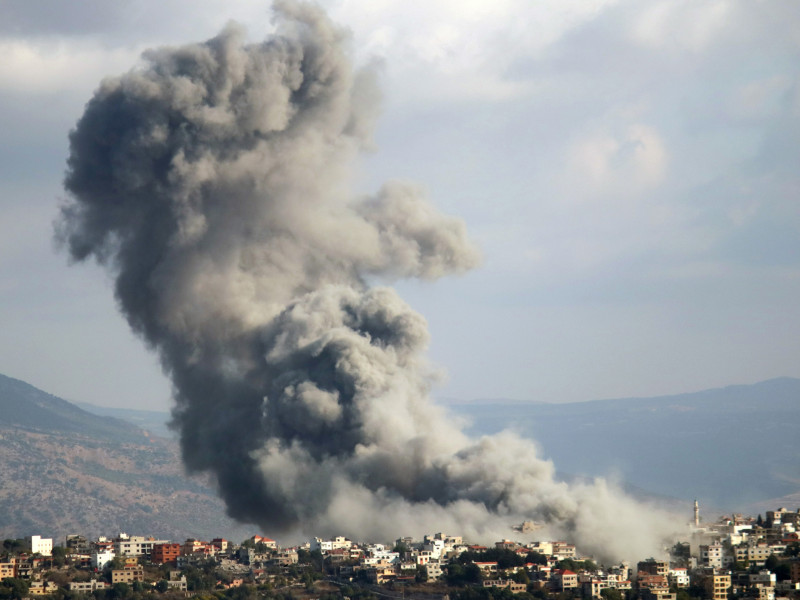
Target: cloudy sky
[629,169]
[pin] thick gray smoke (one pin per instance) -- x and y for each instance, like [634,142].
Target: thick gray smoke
[214,183]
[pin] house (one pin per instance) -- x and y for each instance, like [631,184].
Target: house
[564,579]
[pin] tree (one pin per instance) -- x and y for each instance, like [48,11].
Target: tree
[13,588]
[162,586]
[59,556]
[421,575]
[536,558]
[120,590]
[611,594]
[783,572]
[14,546]
[521,576]
[771,563]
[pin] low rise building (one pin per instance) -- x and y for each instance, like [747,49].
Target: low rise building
[127,575]
[87,587]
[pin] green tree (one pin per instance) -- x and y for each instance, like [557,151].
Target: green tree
[14,546]
[119,590]
[59,556]
[521,576]
[13,588]
[611,594]
[536,558]
[771,563]
[421,576]
[162,586]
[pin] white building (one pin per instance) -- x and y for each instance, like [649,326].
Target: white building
[678,576]
[40,545]
[87,587]
[101,559]
[135,545]
[337,543]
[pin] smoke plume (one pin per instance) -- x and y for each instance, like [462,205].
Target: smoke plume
[213,181]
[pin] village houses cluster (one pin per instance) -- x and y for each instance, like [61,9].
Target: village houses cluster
[733,557]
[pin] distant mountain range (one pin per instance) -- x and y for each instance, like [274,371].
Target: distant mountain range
[733,448]
[65,470]
[98,470]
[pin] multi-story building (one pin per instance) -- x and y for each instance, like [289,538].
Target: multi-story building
[679,577]
[653,567]
[563,550]
[564,579]
[165,553]
[717,585]
[327,545]
[40,545]
[78,544]
[8,568]
[177,581]
[128,574]
[711,555]
[433,569]
[136,545]
[101,558]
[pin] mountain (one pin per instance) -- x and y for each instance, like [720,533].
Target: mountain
[22,405]
[152,421]
[730,447]
[64,470]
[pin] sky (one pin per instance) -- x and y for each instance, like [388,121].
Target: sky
[629,170]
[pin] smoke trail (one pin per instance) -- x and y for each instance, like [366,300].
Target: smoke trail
[213,182]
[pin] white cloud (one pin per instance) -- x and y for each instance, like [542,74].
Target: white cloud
[681,24]
[624,164]
[58,64]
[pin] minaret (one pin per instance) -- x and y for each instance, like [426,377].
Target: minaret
[696,514]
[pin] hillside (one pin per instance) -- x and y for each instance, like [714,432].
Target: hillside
[730,447]
[64,470]
[22,405]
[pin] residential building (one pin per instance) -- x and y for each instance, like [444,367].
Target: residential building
[127,575]
[717,585]
[87,587]
[40,545]
[165,553]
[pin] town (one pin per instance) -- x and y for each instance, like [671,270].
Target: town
[733,557]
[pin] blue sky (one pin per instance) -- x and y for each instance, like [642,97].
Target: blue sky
[629,170]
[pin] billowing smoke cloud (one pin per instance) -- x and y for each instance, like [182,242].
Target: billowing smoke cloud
[214,182]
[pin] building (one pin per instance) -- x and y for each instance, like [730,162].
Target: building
[711,555]
[564,579]
[678,576]
[653,567]
[563,550]
[135,545]
[165,554]
[433,569]
[40,545]
[177,581]
[87,587]
[42,588]
[101,558]
[718,585]
[8,568]
[128,574]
